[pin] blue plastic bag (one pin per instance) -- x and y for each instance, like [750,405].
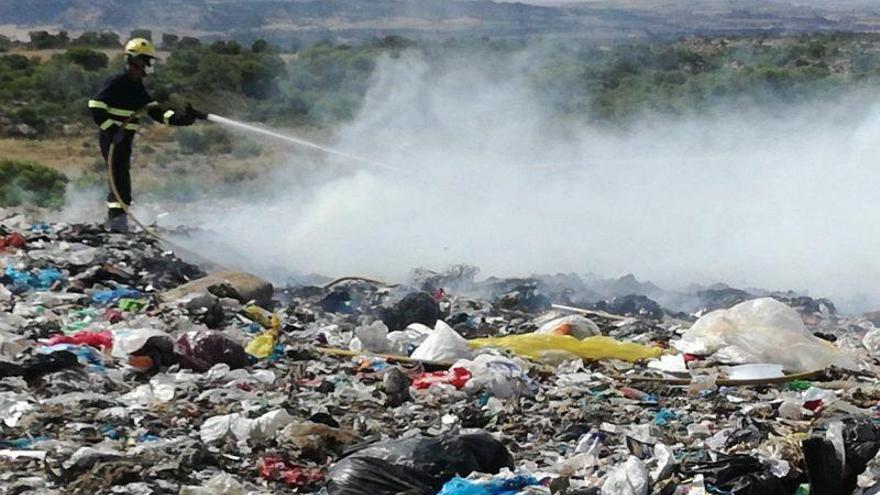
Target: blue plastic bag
[495,486]
[19,278]
[47,277]
[107,296]
[23,280]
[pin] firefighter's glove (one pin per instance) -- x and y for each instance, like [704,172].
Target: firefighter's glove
[195,114]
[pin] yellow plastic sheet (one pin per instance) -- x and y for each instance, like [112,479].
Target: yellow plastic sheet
[264,317]
[263,345]
[547,347]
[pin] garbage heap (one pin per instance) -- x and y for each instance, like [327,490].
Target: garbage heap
[126,370]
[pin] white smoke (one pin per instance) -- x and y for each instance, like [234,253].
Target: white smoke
[779,198]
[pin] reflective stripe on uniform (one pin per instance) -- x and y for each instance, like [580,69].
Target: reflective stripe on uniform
[120,112]
[115,206]
[167,116]
[131,126]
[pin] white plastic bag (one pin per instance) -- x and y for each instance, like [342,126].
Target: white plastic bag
[630,478]
[267,425]
[444,344]
[578,326]
[412,336]
[871,341]
[219,484]
[12,407]
[216,427]
[496,375]
[372,338]
[761,331]
[244,429]
[129,340]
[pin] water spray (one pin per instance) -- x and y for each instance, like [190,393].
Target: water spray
[302,142]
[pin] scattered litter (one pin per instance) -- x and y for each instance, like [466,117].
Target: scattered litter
[124,370]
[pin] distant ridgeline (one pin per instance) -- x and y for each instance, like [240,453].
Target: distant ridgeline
[45,82]
[306,21]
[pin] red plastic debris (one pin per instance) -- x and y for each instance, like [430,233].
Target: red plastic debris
[13,240]
[101,340]
[275,468]
[690,358]
[814,405]
[457,377]
[113,315]
[634,394]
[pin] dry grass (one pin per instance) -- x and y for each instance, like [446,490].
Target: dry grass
[69,154]
[156,160]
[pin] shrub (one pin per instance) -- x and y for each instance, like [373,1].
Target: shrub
[190,141]
[42,40]
[210,139]
[169,40]
[142,33]
[91,38]
[90,60]
[217,140]
[25,182]
[188,42]
[245,148]
[259,46]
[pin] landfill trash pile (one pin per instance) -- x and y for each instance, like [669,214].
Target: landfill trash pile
[124,369]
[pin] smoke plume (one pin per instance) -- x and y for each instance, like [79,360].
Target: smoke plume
[779,198]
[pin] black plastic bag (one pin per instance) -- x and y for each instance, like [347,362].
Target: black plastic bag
[828,473]
[369,475]
[417,465]
[33,366]
[741,475]
[415,307]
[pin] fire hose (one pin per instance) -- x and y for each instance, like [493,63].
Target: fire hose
[112,179]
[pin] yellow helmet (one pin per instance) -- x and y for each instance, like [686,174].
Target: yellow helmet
[140,47]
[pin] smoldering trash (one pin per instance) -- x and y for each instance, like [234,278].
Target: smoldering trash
[124,369]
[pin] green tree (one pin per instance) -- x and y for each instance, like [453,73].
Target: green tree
[142,33]
[25,182]
[87,59]
[260,46]
[42,40]
[169,40]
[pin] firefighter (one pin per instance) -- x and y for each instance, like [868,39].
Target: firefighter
[112,110]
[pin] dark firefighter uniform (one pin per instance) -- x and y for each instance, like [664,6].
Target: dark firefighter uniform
[112,109]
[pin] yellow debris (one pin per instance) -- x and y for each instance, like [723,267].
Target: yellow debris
[548,347]
[263,345]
